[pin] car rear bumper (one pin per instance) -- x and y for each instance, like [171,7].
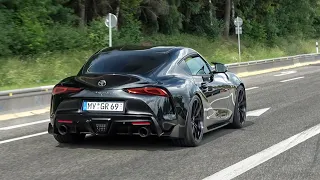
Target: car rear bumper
[113,124]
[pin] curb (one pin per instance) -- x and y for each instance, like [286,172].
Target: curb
[5,117]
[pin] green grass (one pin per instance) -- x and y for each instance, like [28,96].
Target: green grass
[50,68]
[44,69]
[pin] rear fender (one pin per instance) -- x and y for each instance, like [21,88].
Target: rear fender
[182,100]
[234,79]
[182,90]
[57,99]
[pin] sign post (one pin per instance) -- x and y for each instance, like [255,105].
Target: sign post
[111,22]
[317,47]
[238,23]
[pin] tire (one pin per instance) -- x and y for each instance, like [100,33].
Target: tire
[69,138]
[239,117]
[194,121]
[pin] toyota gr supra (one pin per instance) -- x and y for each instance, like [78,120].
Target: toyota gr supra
[159,91]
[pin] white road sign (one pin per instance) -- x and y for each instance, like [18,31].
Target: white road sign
[111,20]
[239,30]
[238,22]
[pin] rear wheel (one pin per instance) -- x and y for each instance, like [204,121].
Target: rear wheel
[69,138]
[194,125]
[240,108]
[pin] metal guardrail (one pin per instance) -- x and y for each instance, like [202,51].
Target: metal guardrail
[271,60]
[232,67]
[25,91]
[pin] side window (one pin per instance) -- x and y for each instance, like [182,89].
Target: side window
[184,67]
[197,66]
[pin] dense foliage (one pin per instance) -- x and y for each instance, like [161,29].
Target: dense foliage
[34,26]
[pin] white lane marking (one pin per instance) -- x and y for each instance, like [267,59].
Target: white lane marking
[257,112]
[286,73]
[23,125]
[248,89]
[292,79]
[22,137]
[263,156]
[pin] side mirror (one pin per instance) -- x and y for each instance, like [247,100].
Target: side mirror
[220,68]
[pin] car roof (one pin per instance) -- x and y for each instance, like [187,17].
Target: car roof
[143,49]
[147,51]
[120,53]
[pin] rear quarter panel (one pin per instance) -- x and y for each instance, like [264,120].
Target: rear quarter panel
[236,82]
[234,79]
[182,89]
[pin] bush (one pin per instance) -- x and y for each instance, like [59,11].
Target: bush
[172,22]
[98,34]
[130,33]
[5,29]
[62,37]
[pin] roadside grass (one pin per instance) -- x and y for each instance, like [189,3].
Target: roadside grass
[45,69]
[49,68]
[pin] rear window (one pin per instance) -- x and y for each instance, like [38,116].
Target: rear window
[124,62]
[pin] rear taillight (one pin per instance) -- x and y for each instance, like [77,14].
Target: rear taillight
[64,90]
[148,91]
[65,121]
[141,123]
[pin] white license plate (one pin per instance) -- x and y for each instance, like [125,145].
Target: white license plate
[103,106]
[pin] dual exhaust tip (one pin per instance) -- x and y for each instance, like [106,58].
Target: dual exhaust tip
[63,130]
[143,131]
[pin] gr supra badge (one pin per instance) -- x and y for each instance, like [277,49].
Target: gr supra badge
[147,91]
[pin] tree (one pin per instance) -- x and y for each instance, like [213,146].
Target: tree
[227,15]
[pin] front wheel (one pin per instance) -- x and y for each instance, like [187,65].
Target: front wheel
[194,125]
[240,109]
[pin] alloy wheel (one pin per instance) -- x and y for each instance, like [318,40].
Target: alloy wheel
[197,120]
[242,106]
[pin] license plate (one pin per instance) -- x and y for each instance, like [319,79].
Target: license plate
[103,106]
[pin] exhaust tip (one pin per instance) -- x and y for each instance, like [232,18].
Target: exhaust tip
[144,132]
[63,130]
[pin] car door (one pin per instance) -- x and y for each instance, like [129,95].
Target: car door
[229,88]
[222,82]
[216,105]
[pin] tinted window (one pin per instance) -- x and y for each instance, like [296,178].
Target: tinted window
[183,66]
[197,66]
[124,62]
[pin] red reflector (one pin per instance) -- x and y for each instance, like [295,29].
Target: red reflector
[63,89]
[148,91]
[65,121]
[140,123]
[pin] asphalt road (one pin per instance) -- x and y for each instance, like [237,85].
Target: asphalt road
[291,103]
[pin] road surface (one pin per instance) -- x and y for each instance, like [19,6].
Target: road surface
[280,141]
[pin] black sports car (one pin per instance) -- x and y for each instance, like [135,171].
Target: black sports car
[161,91]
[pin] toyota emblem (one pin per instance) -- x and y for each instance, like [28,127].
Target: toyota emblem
[102,83]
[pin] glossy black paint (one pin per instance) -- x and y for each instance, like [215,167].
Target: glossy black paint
[217,91]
